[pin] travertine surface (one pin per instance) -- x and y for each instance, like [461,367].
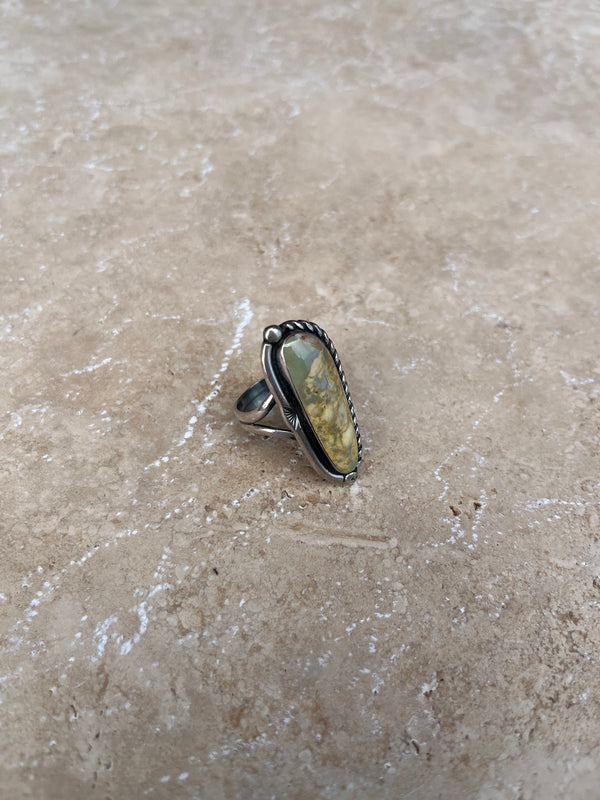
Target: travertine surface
[188,611]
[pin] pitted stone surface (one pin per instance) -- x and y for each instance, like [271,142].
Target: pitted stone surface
[189,611]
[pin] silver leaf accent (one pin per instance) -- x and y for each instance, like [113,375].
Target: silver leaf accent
[292,418]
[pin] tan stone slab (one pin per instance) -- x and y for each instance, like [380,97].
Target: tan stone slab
[189,611]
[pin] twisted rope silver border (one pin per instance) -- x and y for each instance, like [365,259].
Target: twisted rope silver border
[312,327]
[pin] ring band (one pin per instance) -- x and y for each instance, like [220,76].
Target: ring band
[305,382]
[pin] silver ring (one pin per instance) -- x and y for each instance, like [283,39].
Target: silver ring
[304,382]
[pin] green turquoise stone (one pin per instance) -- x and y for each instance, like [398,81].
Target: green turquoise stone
[317,384]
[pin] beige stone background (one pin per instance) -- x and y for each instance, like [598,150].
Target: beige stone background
[189,611]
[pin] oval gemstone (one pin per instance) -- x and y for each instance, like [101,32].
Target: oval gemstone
[318,386]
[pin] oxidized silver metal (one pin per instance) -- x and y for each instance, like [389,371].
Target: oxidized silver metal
[275,389]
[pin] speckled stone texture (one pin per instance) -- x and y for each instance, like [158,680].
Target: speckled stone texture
[189,611]
[316,382]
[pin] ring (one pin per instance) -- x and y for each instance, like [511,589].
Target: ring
[304,382]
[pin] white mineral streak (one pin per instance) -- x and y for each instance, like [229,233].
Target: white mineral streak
[88,368]
[244,311]
[244,314]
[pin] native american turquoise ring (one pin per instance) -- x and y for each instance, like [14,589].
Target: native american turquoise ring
[304,382]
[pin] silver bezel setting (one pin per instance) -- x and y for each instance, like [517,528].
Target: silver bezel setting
[291,408]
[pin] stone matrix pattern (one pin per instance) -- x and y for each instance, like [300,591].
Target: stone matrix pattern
[318,386]
[188,610]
